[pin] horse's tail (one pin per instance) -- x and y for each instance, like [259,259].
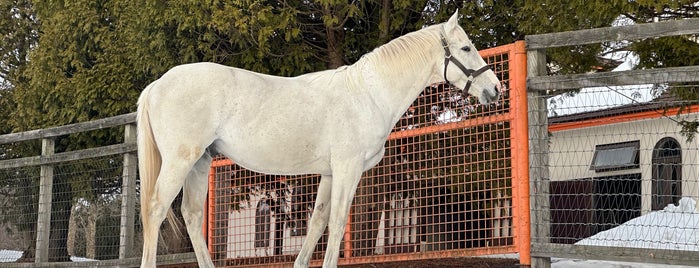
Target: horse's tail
[149,162]
[149,159]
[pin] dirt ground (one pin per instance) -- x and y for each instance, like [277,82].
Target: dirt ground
[433,263]
[445,263]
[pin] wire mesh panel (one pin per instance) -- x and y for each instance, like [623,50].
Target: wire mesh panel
[443,188]
[18,204]
[85,210]
[257,218]
[61,202]
[622,163]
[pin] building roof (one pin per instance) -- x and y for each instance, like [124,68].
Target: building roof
[665,101]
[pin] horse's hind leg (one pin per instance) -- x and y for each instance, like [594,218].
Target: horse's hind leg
[319,219]
[167,186]
[194,195]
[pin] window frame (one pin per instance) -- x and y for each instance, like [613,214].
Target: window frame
[602,148]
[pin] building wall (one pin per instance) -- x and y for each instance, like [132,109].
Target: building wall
[571,152]
[241,243]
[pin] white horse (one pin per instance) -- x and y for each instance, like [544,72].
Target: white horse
[333,123]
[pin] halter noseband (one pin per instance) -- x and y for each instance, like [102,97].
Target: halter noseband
[468,72]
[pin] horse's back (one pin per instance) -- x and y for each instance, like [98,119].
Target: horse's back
[265,123]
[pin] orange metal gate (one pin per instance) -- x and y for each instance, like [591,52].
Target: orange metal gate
[453,183]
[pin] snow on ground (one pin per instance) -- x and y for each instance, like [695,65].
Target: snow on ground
[7,255]
[675,227]
[566,263]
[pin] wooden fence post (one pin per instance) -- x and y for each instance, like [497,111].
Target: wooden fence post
[128,196]
[43,223]
[538,159]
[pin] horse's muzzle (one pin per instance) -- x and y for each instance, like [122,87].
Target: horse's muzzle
[488,96]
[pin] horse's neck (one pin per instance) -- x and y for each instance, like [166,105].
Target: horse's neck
[395,89]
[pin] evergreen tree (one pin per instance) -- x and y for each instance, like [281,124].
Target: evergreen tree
[73,61]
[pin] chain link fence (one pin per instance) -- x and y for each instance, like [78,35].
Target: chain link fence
[614,155]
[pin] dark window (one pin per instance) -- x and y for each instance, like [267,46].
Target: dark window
[583,207]
[615,156]
[666,184]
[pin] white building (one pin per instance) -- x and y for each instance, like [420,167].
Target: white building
[608,166]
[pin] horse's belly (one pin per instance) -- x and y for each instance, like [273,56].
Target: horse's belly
[275,158]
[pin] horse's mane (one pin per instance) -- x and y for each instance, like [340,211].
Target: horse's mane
[407,50]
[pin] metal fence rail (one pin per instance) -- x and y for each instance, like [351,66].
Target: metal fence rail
[613,177]
[453,183]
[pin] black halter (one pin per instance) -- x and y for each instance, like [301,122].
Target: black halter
[468,72]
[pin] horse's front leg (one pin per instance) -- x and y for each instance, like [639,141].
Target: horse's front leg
[346,176]
[319,219]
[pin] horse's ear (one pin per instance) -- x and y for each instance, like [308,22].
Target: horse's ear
[453,22]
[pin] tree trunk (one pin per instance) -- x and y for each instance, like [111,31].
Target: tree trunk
[385,23]
[91,232]
[335,38]
[72,234]
[335,51]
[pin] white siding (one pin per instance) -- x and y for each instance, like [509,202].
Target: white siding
[571,152]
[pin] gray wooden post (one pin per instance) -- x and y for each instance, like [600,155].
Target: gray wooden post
[128,196]
[43,222]
[538,160]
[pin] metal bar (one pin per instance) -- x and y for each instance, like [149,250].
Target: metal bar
[211,202]
[520,150]
[492,119]
[441,254]
[348,237]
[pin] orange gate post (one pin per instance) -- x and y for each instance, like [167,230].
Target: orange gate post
[520,150]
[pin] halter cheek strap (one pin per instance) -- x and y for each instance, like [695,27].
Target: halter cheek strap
[468,72]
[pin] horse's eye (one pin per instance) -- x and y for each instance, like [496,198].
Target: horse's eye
[466,48]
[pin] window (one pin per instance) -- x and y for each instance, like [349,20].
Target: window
[615,156]
[666,183]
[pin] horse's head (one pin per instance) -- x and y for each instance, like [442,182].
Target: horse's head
[463,66]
